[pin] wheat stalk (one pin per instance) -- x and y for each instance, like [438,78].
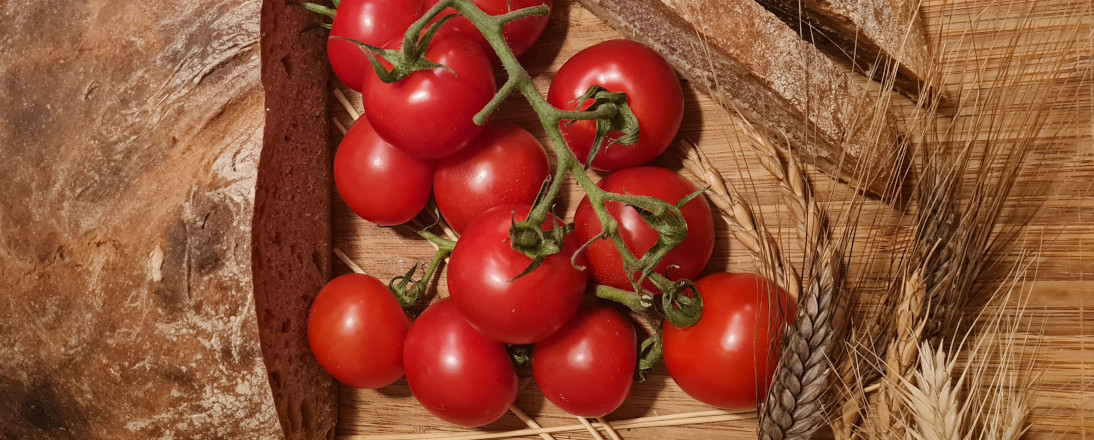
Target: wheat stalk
[958,234]
[989,399]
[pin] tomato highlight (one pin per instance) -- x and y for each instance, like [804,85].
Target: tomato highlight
[356,331]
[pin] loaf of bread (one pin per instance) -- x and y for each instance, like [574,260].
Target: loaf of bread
[751,62]
[130,138]
[870,36]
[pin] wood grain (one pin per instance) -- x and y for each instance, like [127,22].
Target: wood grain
[974,36]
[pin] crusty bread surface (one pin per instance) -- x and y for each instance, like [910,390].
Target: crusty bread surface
[870,36]
[130,135]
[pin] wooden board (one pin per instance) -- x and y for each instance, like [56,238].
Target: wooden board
[1061,233]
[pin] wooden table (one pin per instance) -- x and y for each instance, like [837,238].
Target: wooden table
[1057,241]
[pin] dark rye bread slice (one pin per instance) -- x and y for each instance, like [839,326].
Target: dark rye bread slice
[130,136]
[748,60]
[292,217]
[870,36]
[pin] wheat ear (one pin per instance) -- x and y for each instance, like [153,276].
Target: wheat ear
[932,397]
[794,406]
[794,402]
[742,222]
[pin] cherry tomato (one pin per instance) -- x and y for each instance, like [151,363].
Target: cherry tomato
[727,359]
[356,330]
[505,165]
[587,367]
[373,22]
[455,372]
[653,93]
[520,34]
[429,113]
[481,282]
[686,260]
[379,182]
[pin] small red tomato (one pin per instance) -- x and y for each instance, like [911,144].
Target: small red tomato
[429,113]
[379,182]
[482,281]
[373,22]
[356,330]
[686,260]
[727,359]
[520,34]
[505,165]
[653,93]
[455,372]
[587,367]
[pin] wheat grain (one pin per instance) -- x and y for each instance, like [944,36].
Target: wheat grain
[933,398]
[794,407]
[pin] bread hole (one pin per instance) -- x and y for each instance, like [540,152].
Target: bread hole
[287,65]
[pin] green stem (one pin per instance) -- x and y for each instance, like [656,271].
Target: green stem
[408,291]
[634,301]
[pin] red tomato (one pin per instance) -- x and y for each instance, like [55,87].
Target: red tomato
[373,22]
[454,371]
[686,260]
[587,367]
[520,34]
[429,113]
[356,330]
[481,282]
[727,359]
[653,93]
[505,165]
[380,183]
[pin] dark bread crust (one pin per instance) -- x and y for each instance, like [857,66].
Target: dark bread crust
[292,217]
[869,37]
[751,62]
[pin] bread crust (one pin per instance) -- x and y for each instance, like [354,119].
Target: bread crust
[749,61]
[869,36]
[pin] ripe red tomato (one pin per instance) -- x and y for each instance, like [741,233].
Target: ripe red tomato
[727,359]
[587,367]
[429,113]
[373,22]
[653,93]
[520,34]
[379,182]
[481,282]
[686,260]
[505,165]
[356,330]
[455,372]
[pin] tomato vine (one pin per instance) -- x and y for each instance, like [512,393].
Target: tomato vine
[608,109]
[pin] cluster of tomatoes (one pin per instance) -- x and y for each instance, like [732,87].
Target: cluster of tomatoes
[417,140]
